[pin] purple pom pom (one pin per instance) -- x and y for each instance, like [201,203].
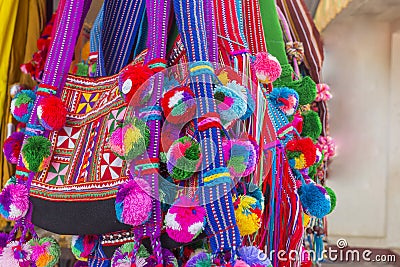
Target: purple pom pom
[14,201]
[81,264]
[12,147]
[253,256]
[133,202]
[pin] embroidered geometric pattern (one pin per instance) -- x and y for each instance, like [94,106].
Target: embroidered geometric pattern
[83,168]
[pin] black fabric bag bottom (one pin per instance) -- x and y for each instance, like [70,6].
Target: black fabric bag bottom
[76,218]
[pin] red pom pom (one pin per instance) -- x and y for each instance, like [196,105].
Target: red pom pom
[307,150]
[178,105]
[130,80]
[52,113]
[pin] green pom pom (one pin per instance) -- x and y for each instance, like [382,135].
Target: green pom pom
[185,166]
[305,87]
[82,69]
[287,71]
[136,142]
[312,126]
[332,195]
[35,152]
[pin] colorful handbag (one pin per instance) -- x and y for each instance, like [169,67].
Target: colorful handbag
[81,177]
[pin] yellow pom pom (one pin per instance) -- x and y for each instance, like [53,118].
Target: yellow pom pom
[248,215]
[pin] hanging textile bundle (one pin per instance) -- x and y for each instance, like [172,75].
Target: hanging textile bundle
[22,105]
[178,105]
[52,113]
[133,202]
[12,147]
[286,99]
[130,140]
[36,153]
[131,80]
[45,252]
[183,158]
[184,221]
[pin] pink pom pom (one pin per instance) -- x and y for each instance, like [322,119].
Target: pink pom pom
[52,113]
[133,202]
[327,145]
[184,220]
[323,92]
[267,67]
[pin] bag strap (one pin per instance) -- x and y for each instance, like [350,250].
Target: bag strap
[121,23]
[214,179]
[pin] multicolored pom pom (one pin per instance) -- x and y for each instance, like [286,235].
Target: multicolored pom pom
[14,201]
[241,155]
[253,256]
[201,259]
[168,258]
[83,245]
[183,158]
[45,252]
[130,140]
[231,102]
[178,105]
[130,80]
[184,221]
[22,105]
[267,67]
[12,147]
[52,113]
[16,255]
[314,199]
[15,89]
[286,99]
[133,202]
[301,153]
[36,153]
[122,256]
[248,212]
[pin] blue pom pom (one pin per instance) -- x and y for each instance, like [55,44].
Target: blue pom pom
[286,99]
[22,105]
[315,200]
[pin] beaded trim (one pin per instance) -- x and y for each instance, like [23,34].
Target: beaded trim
[117,238]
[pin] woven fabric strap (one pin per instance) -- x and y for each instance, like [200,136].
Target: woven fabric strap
[221,223]
[57,65]
[158,17]
[95,32]
[253,26]
[121,23]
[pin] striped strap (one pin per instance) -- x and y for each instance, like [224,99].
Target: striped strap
[303,29]
[221,224]
[253,26]
[121,24]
